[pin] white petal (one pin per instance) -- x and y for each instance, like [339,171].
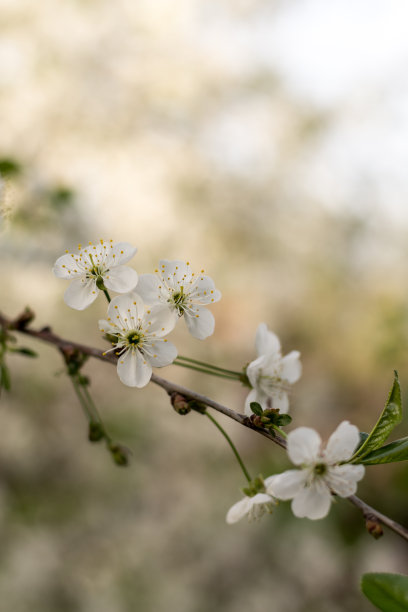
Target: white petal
[126,310]
[266,341]
[67,267]
[280,400]
[160,320]
[238,510]
[253,370]
[268,370]
[291,367]
[121,279]
[80,294]
[174,272]
[342,479]
[204,291]
[251,397]
[286,485]
[163,354]
[312,502]
[148,288]
[342,443]
[119,254]
[201,323]
[133,369]
[303,445]
[93,254]
[261,498]
[107,327]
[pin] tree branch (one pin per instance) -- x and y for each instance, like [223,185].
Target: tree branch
[20,324]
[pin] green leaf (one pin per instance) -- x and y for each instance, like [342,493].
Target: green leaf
[389,592]
[395,451]
[283,420]
[363,437]
[390,417]
[256,408]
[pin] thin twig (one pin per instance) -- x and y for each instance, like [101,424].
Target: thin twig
[46,335]
[369,512]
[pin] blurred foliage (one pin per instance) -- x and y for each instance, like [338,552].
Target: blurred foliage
[9,167]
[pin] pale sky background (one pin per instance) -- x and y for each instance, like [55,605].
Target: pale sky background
[347,60]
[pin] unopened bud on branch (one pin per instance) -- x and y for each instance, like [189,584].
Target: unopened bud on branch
[179,403]
[374,527]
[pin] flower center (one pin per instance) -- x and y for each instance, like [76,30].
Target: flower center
[179,300]
[134,338]
[320,469]
[96,271]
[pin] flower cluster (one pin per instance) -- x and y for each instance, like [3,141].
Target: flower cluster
[149,310]
[138,323]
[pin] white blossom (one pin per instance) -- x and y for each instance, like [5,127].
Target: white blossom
[140,338]
[271,374]
[255,507]
[322,471]
[184,292]
[93,267]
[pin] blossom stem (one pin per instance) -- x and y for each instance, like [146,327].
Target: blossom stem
[89,408]
[108,297]
[232,445]
[209,366]
[280,431]
[204,371]
[84,404]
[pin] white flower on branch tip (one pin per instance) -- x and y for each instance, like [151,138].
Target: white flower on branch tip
[184,293]
[94,267]
[140,338]
[255,507]
[271,374]
[322,471]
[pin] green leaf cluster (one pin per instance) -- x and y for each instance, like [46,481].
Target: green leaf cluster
[270,417]
[372,450]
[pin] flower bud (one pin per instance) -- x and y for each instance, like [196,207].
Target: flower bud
[256,420]
[180,404]
[95,432]
[374,527]
[120,454]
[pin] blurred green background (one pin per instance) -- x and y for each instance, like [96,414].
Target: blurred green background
[266,143]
